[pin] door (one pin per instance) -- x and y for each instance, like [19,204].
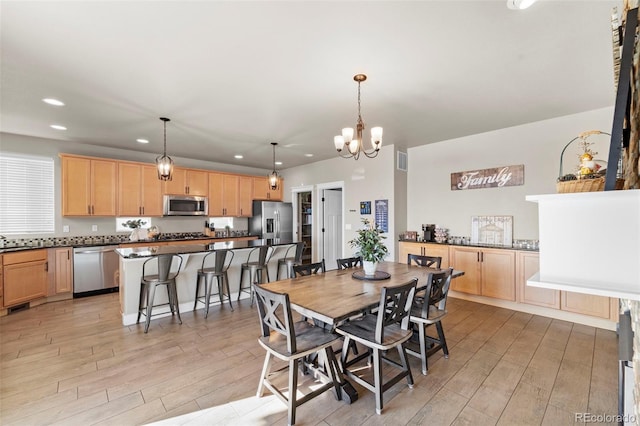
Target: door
[285,221]
[332,227]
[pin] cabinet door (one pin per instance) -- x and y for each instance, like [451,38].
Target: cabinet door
[1,284]
[407,248]
[468,261]
[103,187]
[587,304]
[76,186]
[245,196]
[498,274]
[216,194]
[439,250]
[178,183]
[527,264]
[261,188]
[151,192]
[24,282]
[230,195]
[129,189]
[197,182]
[63,271]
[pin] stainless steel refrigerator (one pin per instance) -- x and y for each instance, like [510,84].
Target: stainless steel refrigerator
[272,219]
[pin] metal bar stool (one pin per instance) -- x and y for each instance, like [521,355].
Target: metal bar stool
[290,261]
[257,266]
[163,277]
[221,261]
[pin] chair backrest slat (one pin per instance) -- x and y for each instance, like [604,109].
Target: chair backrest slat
[163,263]
[274,310]
[425,261]
[309,269]
[349,262]
[395,307]
[438,284]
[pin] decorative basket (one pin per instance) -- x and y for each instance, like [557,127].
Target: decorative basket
[585,185]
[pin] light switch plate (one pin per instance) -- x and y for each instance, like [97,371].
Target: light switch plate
[94,228]
[65,228]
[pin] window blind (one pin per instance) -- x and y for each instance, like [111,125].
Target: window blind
[26,194]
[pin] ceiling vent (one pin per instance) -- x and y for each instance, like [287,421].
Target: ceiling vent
[402,161]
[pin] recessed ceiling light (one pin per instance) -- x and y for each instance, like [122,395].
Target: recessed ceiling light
[58,127]
[278,163]
[308,155]
[142,140]
[52,101]
[238,156]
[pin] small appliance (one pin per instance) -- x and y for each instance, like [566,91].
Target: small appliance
[428,232]
[185,205]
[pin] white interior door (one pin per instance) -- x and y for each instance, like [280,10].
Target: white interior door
[332,227]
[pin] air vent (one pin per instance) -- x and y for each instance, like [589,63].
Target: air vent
[402,161]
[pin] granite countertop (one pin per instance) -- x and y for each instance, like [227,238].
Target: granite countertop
[512,247]
[136,252]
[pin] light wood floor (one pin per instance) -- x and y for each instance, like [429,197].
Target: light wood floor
[73,363]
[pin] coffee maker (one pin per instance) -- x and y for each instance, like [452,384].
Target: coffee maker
[428,232]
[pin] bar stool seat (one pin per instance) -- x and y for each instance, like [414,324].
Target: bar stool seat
[257,266]
[221,261]
[289,261]
[149,283]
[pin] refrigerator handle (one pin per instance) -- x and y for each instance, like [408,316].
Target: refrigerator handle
[277,224]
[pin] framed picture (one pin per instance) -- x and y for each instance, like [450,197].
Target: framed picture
[365,207]
[492,230]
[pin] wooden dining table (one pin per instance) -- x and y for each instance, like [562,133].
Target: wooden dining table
[335,296]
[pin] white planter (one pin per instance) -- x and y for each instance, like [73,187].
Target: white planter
[369,267]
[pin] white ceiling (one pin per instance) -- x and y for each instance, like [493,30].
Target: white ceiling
[234,76]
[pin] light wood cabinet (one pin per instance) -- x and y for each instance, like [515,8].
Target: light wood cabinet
[262,190]
[88,186]
[587,304]
[230,195]
[139,190]
[424,249]
[245,196]
[527,264]
[25,276]
[63,276]
[1,284]
[487,272]
[188,182]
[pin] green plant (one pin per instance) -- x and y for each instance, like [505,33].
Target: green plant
[134,224]
[369,242]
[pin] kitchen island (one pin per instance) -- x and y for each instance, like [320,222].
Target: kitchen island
[131,260]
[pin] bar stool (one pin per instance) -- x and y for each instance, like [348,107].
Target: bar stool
[257,266]
[290,261]
[163,277]
[221,261]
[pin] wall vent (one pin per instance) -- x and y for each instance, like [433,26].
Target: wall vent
[402,161]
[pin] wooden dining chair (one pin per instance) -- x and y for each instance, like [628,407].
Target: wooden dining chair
[380,332]
[292,342]
[349,262]
[430,310]
[424,261]
[309,269]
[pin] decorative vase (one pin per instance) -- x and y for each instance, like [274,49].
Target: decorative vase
[134,235]
[369,267]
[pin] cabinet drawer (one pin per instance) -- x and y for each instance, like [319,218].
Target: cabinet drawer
[24,256]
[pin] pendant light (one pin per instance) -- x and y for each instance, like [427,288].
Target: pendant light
[274,178]
[164,163]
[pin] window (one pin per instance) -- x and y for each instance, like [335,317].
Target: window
[26,194]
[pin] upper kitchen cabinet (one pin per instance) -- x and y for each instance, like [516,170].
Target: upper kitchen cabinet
[139,190]
[262,190]
[230,195]
[188,182]
[88,186]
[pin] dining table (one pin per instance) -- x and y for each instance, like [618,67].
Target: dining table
[335,296]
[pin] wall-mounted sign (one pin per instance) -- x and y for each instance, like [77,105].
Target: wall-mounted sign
[488,178]
[365,207]
[382,215]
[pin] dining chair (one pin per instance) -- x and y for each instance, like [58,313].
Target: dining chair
[160,275]
[293,256]
[221,260]
[257,264]
[349,262]
[430,310]
[380,332]
[292,342]
[309,269]
[424,261]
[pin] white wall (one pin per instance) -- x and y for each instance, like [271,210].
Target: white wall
[536,145]
[367,179]
[11,143]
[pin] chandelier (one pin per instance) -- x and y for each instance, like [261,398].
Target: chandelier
[355,146]
[164,163]
[273,176]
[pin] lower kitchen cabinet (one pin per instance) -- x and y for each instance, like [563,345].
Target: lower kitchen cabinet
[1,284]
[424,249]
[63,274]
[528,263]
[487,272]
[25,276]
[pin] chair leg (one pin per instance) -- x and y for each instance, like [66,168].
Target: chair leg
[423,348]
[195,302]
[143,293]
[220,282]
[225,283]
[241,276]
[404,360]
[331,366]
[174,288]
[151,292]
[293,387]
[443,341]
[265,371]
[208,283]
[377,378]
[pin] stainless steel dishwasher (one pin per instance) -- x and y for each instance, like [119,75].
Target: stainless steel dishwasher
[95,270]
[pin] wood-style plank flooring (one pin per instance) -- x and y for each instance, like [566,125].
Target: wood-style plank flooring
[73,363]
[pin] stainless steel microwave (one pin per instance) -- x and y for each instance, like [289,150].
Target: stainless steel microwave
[185,205]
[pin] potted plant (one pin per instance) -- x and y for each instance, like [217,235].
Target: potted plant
[369,244]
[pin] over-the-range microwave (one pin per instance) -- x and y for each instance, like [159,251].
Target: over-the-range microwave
[185,205]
